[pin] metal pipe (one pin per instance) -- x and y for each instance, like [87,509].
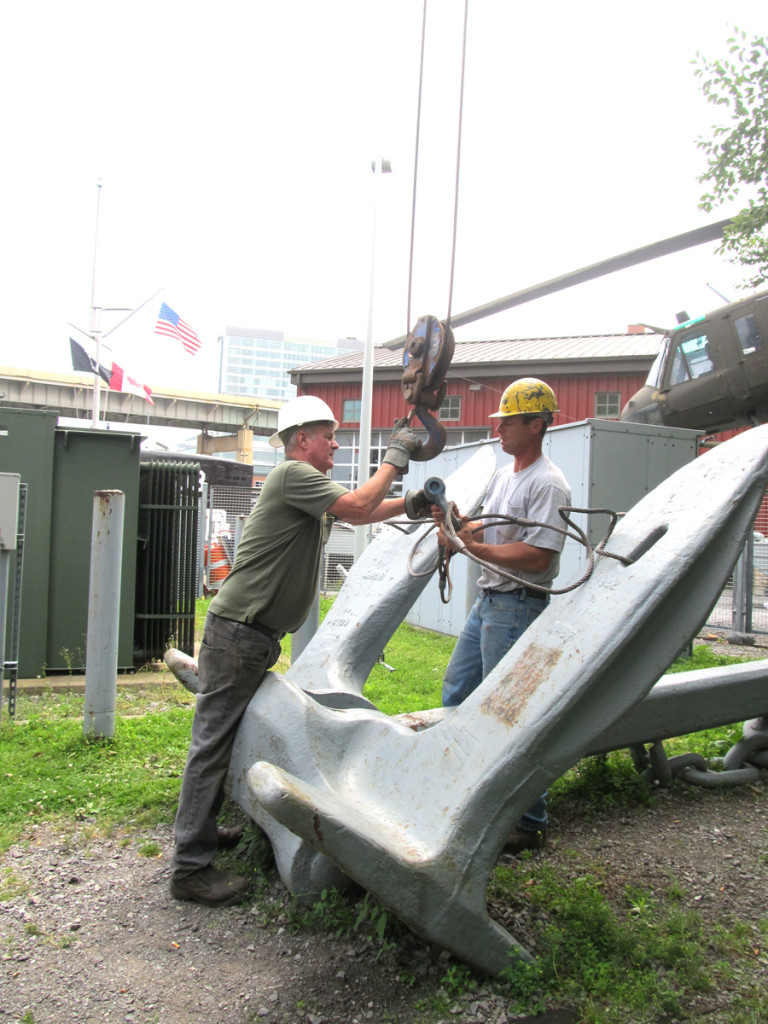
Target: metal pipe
[379,167]
[5,561]
[9,519]
[306,630]
[103,614]
[739,592]
[96,317]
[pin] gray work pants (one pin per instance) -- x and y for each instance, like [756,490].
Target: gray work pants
[233,660]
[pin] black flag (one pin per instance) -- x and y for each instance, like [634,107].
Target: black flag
[83,363]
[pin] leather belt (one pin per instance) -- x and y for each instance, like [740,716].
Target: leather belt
[265,631]
[524,591]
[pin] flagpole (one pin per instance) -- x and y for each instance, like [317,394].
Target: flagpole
[95,318]
[131,312]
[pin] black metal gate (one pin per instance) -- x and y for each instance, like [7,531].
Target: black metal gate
[167,558]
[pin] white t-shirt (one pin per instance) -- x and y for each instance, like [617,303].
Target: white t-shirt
[534,493]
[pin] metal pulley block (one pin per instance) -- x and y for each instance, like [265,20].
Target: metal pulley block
[426,358]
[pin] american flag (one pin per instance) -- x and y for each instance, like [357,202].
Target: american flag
[170,324]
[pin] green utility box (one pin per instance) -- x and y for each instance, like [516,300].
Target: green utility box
[62,467]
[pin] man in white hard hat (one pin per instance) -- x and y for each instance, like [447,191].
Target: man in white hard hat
[532,488]
[268,593]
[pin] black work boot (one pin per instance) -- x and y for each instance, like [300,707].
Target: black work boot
[210,887]
[228,838]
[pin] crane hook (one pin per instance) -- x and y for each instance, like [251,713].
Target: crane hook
[426,357]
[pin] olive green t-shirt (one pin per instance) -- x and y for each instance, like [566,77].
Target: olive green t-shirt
[277,566]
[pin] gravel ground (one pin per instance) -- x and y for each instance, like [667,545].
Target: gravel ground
[92,934]
[89,932]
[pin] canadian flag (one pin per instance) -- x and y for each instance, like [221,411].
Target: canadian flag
[122,381]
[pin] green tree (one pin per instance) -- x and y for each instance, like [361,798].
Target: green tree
[737,153]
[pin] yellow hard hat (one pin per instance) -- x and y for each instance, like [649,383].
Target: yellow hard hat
[527,396]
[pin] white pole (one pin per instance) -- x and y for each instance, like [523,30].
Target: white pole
[307,630]
[95,320]
[379,167]
[103,614]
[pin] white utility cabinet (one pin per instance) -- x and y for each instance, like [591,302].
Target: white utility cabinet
[9,510]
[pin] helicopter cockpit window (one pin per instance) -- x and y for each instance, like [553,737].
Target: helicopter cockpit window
[749,335]
[691,358]
[679,370]
[654,374]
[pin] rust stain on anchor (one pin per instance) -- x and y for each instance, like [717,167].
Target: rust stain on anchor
[507,700]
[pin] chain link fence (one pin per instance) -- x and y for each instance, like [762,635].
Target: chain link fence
[743,604]
[226,507]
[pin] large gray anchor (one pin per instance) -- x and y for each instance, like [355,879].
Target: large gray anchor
[418,815]
[333,669]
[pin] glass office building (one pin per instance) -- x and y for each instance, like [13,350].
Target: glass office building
[258,362]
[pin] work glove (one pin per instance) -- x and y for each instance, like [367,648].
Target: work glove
[403,443]
[417,504]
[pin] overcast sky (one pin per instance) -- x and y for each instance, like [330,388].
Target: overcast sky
[234,144]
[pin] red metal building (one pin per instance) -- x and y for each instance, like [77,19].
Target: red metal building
[592,376]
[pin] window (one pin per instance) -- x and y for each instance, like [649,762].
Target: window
[654,374]
[607,405]
[348,456]
[691,358]
[350,410]
[695,348]
[749,336]
[451,408]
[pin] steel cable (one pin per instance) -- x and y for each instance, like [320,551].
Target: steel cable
[569,530]
[416,165]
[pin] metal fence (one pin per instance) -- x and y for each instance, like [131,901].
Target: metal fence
[166,558]
[743,604]
[225,508]
[338,557]
[234,502]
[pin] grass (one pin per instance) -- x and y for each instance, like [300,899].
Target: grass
[51,773]
[616,955]
[641,964]
[620,954]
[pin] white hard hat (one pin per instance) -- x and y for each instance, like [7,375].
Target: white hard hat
[301,410]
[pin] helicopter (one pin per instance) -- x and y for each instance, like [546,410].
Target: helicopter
[711,372]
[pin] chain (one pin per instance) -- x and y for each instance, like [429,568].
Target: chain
[742,763]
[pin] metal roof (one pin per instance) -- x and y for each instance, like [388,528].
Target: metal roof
[523,350]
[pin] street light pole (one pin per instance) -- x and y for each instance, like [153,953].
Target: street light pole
[96,317]
[379,166]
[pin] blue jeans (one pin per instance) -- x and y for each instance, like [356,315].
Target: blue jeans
[495,623]
[233,660]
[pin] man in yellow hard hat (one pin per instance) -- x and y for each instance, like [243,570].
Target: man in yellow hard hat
[531,488]
[268,593]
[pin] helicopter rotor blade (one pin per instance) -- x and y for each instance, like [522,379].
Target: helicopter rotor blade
[687,240]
